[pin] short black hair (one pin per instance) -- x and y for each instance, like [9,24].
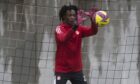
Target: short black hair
[64,9]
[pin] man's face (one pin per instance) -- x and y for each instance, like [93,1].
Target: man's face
[70,17]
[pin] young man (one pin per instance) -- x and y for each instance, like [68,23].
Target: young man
[68,35]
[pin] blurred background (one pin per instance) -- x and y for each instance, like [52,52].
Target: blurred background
[27,46]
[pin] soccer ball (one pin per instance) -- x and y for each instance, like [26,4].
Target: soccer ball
[101,18]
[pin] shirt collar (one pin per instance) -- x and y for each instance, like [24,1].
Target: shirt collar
[66,25]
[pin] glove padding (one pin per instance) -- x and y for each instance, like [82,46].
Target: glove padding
[90,13]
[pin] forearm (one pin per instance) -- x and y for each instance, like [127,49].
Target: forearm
[94,26]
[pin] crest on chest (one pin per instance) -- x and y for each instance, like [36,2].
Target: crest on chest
[77,32]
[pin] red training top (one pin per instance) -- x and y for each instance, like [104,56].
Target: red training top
[68,53]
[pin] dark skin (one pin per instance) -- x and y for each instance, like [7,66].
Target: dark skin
[70,17]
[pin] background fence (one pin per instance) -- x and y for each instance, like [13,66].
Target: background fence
[27,46]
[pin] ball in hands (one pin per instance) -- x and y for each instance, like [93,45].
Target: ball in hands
[101,18]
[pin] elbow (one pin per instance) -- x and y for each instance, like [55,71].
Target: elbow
[95,29]
[95,33]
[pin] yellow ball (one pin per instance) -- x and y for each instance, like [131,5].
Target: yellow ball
[101,18]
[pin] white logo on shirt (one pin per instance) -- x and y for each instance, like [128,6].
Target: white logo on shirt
[77,32]
[58,30]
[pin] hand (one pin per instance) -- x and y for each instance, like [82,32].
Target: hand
[81,16]
[95,9]
[92,11]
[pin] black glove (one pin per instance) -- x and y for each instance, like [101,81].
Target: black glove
[75,26]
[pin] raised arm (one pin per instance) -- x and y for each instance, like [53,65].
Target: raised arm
[89,30]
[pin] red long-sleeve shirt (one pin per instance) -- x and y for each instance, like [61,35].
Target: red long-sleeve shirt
[68,53]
